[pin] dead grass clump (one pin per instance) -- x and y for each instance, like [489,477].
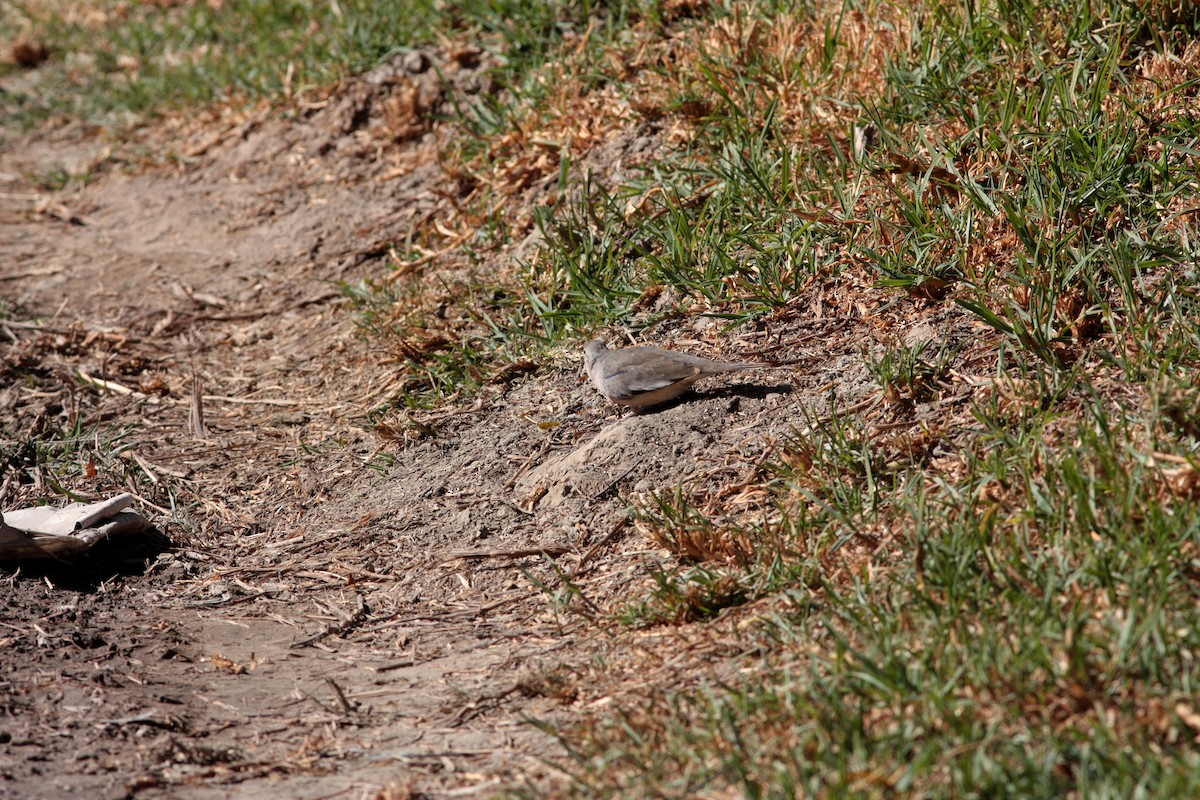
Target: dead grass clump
[399,790]
[1181,482]
[406,112]
[28,53]
[694,529]
[520,168]
[805,63]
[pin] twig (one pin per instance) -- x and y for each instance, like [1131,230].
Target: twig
[854,409]
[141,462]
[600,545]
[341,696]
[477,706]
[354,619]
[613,483]
[249,400]
[37,326]
[536,454]
[395,619]
[548,550]
[109,385]
[33,273]
[406,267]
[529,512]
[167,721]
[197,408]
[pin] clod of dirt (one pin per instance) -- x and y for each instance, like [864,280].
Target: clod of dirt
[28,53]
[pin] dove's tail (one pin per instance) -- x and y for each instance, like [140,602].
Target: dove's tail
[738,366]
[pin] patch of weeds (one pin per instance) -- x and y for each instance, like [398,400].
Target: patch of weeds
[687,595]
[737,219]
[1177,405]
[719,238]
[1048,602]
[58,178]
[445,343]
[50,460]
[906,375]
[110,59]
[792,522]
[566,596]
[1008,600]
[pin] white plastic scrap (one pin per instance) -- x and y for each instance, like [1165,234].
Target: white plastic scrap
[49,532]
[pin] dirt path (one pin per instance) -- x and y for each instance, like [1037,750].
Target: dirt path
[228,661]
[343,614]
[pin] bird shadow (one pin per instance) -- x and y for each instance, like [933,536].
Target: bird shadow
[736,391]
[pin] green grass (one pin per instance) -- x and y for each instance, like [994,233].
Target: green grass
[126,60]
[133,59]
[55,458]
[1033,634]
[1029,623]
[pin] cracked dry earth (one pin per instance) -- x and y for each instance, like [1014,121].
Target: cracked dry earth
[340,614]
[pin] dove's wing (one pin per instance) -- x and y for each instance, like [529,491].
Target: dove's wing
[637,370]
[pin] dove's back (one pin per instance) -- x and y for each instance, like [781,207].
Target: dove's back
[645,376]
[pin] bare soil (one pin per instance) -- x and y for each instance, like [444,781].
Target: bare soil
[338,613]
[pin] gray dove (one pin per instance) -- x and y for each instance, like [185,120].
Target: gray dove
[640,377]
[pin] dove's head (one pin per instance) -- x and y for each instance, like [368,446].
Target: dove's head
[591,352]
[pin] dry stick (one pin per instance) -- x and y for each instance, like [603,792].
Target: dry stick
[598,546]
[341,696]
[541,451]
[406,267]
[37,326]
[612,484]
[526,511]
[474,708]
[547,550]
[763,352]
[132,455]
[394,619]
[167,721]
[33,273]
[146,468]
[111,386]
[895,426]
[854,409]
[233,601]
[250,316]
[197,409]
[355,618]
[155,506]
[249,400]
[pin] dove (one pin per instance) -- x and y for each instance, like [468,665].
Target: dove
[640,377]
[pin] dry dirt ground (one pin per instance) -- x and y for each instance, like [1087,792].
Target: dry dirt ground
[339,613]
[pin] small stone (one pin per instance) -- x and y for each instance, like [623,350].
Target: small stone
[924,333]
[414,63]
